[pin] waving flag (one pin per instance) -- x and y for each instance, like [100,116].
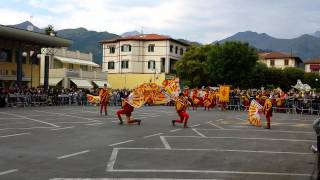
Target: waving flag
[93,99]
[254,117]
[224,93]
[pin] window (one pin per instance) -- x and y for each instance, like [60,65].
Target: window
[126,48]
[13,72]
[181,51]
[70,66]
[111,65]
[125,64]
[171,48]
[112,49]
[84,67]
[152,64]
[272,62]
[176,49]
[151,48]
[286,62]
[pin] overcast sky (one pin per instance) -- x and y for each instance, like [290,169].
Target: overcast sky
[197,20]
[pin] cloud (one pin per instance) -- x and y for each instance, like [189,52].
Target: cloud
[201,20]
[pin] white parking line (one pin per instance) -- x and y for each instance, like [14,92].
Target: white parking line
[112,159]
[73,154]
[209,171]
[24,117]
[195,125]
[8,171]
[199,133]
[125,179]
[68,115]
[94,124]
[57,129]
[12,135]
[236,137]
[165,142]
[152,135]
[175,130]
[215,125]
[121,142]
[270,131]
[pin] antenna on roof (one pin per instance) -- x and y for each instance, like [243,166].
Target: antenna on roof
[141,32]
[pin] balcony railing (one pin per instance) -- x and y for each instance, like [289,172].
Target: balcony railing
[77,74]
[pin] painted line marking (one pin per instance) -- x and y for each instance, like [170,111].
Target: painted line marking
[195,125]
[24,117]
[12,135]
[112,159]
[8,171]
[94,124]
[216,125]
[67,115]
[165,142]
[175,130]
[199,133]
[73,154]
[271,131]
[25,128]
[152,135]
[126,179]
[224,150]
[209,171]
[234,137]
[121,142]
[57,129]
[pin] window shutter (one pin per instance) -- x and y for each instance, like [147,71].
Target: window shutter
[129,48]
[121,48]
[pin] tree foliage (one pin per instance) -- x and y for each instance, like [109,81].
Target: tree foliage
[49,30]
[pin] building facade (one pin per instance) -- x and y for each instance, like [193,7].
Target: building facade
[133,60]
[73,69]
[280,60]
[19,56]
[312,65]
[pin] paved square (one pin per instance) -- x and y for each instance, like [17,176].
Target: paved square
[74,142]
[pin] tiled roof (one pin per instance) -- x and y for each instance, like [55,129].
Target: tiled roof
[312,61]
[276,55]
[142,37]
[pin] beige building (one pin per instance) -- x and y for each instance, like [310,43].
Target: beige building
[133,60]
[280,60]
[312,65]
[73,69]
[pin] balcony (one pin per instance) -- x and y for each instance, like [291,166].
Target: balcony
[92,75]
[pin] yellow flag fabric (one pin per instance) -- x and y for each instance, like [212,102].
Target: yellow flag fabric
[149,93]
[93,99]
[224,93]
[254,117]
[172,87]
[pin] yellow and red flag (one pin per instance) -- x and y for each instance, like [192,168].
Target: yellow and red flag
[224,93]
[93,99]
[172,87]
[254,117]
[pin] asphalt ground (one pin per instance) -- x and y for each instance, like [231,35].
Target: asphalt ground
[74,142]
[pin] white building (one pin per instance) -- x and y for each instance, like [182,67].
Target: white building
[280,59]
[133,60]
[73,69]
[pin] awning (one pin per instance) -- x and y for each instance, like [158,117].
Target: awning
[82,83]
[33,37]
[100,84]
[76,61]
[52,81]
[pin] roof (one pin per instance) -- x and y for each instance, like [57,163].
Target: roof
[312,61]
[76,61]
[143,37]
[276,55]
[44,40]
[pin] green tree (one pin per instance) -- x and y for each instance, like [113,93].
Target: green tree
[313,79]
[232,63]
[290,77]
[50,30]
[192,69]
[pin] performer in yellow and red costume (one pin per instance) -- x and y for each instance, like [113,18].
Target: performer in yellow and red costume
[127,110]
[181,107]
[267,110]
[104,97]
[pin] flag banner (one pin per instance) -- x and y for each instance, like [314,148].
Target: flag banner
[172,87]
[224,93]
[93,99]
[254,115]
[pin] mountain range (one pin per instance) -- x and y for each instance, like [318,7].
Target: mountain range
[305,46]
